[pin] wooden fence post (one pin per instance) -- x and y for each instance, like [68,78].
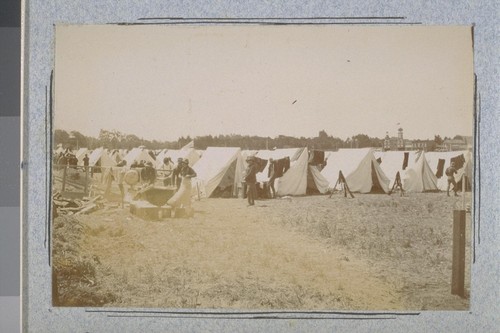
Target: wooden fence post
[85,190]
[458,265]
[64,179]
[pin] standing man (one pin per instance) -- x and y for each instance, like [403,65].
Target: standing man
[272,176]
[86,161]
[176,173]
[450,173]
[121,177]
[149,173]
[166,169]
[186,170]
[251,180]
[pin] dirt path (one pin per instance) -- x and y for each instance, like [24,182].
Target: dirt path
[229,256]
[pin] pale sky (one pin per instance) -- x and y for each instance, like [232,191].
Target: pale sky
[164,81]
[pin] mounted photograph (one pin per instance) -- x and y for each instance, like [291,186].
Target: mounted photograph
[262,167]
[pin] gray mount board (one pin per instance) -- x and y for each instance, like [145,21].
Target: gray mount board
[40,316]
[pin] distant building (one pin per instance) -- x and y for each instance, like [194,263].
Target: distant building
[394,143]
[459,143]
[408,144]
[400,143]
[422,144]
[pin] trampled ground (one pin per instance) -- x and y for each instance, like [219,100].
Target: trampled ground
[373,252]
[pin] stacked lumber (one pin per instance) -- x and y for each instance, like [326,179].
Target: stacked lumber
[65,206]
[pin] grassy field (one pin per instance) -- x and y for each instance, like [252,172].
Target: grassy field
[373,252]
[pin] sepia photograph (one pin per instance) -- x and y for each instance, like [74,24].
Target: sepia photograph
[262,167]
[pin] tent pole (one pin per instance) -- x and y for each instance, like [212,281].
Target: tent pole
[346,187]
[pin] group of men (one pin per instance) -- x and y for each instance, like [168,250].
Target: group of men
[169,174]
[68,159]
[172,175]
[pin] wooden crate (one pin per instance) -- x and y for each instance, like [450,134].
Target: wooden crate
[147,211]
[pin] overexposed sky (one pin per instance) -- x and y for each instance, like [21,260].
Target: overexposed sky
[166,81]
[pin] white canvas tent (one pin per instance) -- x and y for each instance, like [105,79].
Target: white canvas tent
[467,170]
[360,169]
[218,167]
[116,155]
[99,157]
[189,145]
[188,153]
[300,176]
[417,175]
[294,180]
[316,180]
[138,154]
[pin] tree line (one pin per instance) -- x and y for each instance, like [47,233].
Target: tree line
[113,139]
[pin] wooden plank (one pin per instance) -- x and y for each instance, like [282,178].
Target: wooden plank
[87,209]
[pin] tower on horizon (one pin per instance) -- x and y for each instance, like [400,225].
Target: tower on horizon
[401,141]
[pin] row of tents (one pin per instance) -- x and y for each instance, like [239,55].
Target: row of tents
[365,170]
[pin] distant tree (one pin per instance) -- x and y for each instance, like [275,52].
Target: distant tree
[61,137]
[347,143]
[105,138]
[181,142]
[431,145]
[113,139]
[376,142]
[361,141]
[438,140]
[131,141]
[80,139]
[322,135]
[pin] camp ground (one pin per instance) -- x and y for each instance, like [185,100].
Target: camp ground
[374,247]
[360,168]
[410,168]
[331,237]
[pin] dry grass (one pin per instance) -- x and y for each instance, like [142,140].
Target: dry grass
[74,272]
[374,252]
